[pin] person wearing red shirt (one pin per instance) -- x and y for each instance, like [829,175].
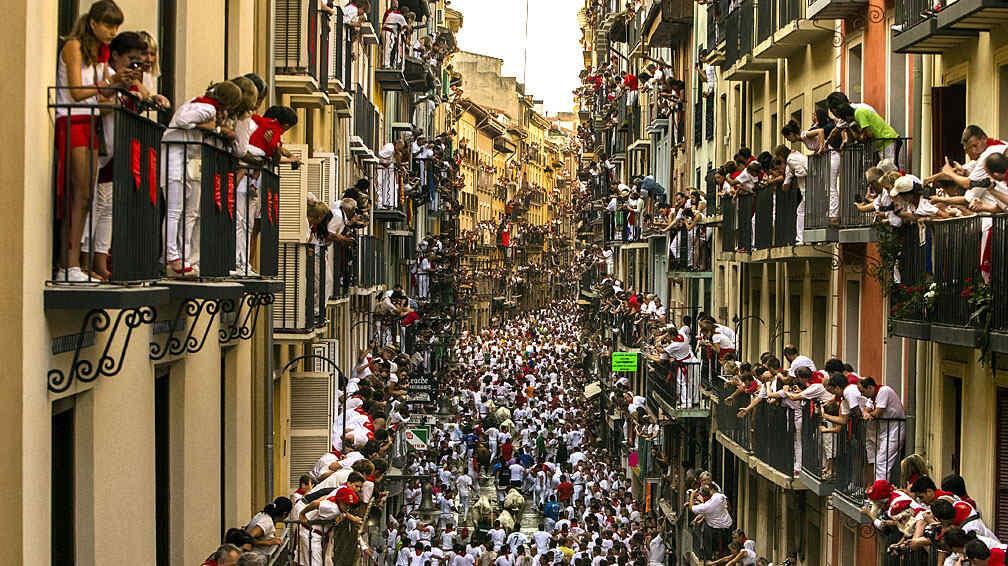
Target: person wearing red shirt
[979,555]
[565,489]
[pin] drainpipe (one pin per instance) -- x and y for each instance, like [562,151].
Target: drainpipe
[268,338]
[918,87]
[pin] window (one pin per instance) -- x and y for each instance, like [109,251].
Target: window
[1001,463]
[951,428]
[162,468]
[63,482]
[854,73]
[1002,98]
[898,100]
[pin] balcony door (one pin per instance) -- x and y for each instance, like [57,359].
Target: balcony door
[948,119]
[1001,463]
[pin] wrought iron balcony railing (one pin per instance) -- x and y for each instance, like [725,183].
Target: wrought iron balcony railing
[127,206]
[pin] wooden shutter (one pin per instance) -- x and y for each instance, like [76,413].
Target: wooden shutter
[329,176]
[293,197]
[290,35]
[1001,463]
[289,312]
[310,406]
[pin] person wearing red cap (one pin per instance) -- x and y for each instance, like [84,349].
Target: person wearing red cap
[890,507]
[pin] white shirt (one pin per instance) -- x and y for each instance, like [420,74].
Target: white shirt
[801,362]
[656,550]
[517,471]
[797,166]
[888,400]
[714,511]
[976,168]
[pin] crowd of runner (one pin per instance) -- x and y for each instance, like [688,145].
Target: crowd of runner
[519,477]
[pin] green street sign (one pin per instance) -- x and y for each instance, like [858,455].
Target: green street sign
[418,437]
[624,361]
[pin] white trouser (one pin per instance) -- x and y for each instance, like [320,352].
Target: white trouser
[797,442]
[101,216]
[246,199]
[889,445]
[311,544]
[578,491]
[834,185]
[800,220]
[423,285]
[186,242]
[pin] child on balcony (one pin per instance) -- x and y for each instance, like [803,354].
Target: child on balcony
[82,74]
[185,133]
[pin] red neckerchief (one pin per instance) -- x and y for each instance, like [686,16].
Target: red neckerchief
[104,54]
[991,142]
[207,100]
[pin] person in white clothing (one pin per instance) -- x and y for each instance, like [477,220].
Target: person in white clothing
[711,510]
[796,360]
[886,427]
[181,144]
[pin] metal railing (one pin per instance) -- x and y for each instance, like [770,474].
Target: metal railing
[127,206]
[956,266]
[269,224]
[733,45]
[343,272]
[200,200]
[368,261]
[845,179]
[913,265]
[614,225]
[763,217]
[341,46]
[393,48]
[786,203]
[909,13]
[365,119]
[766,22]
[726,417]
[773,436]
[866,451]
[679,387]
[388,192]
[818,448]
[301,40]
[729,219]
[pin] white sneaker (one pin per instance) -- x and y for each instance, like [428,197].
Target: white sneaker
[71,275]
[241,272]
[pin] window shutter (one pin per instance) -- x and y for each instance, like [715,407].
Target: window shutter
[329,176]
[310,407]
[1001,496]
[293,197]
[289,311]
[290,31]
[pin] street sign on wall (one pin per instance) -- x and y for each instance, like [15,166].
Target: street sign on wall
[624,361]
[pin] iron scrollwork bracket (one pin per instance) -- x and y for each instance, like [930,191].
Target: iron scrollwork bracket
[192,310]
[109,364]
[245,319]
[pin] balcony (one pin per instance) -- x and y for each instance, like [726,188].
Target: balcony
[973,16]
[667,23]
[370,263]
[301,36]
[764,439]
[344,273]
[340,64]
[389,201]
[127,211]
[845,223]
[392,55]
[908,316]
[864,452]
[787,31]
[741,31]
[677,391]
[364,141]
[301,308]
[835,9]
[689,251]
[916,30]
[615,229]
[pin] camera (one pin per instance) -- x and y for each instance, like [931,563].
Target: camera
[295,165]
[135,65]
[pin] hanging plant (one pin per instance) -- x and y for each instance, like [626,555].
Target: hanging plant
[980,299]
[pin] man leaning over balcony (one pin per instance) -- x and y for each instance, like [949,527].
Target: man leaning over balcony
[885,431]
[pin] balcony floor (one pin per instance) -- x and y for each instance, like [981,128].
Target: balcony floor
[109,297]
[973,15]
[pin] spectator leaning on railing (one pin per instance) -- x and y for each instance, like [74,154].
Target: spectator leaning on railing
[191,122]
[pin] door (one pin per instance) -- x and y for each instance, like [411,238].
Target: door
[1001,461]
[948,120]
